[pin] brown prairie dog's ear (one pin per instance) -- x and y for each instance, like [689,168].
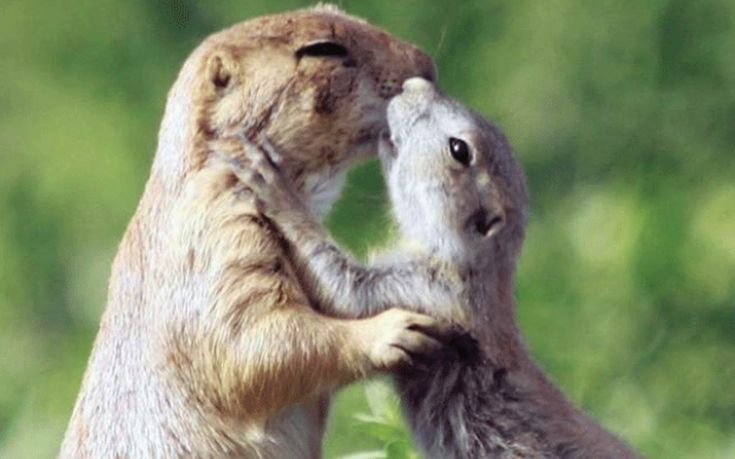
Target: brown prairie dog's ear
[221,69]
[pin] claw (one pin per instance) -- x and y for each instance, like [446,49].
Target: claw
[270,151]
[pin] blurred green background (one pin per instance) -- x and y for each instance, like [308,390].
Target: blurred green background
[622,113]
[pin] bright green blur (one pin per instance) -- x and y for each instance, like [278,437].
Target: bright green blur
[623,116]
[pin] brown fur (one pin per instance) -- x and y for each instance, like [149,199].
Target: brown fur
[208,346]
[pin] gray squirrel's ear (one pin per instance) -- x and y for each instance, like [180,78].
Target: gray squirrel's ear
[221,70]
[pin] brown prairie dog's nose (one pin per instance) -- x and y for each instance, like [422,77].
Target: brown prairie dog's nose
[417,85]
[416,63]
[425,67]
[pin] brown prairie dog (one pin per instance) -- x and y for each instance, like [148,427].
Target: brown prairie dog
[208,346]
[459,199]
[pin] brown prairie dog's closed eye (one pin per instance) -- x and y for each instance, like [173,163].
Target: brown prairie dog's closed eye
[208,346]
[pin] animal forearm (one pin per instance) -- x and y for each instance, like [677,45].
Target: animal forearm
[292,354]
[333,279]
[283,358]
[339,285]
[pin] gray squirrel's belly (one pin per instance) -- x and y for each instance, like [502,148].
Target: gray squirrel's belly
[465,409]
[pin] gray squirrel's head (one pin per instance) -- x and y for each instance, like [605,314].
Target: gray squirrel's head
[453,181]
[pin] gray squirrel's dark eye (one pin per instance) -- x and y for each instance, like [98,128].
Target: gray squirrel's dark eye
[460,151]
[322,49]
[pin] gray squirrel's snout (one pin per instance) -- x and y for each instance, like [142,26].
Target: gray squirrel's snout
[417,84]
[408,106]
[416,94]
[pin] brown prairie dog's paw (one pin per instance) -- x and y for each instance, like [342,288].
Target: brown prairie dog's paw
[396,337]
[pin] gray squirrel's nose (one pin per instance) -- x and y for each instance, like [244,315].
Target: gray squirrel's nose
[417,84]
[405,108]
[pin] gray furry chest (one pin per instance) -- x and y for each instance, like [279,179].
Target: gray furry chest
[463,406]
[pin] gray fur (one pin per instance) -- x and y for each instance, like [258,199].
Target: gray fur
[486,398]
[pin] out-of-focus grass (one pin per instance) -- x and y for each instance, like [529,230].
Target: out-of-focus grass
[623,116]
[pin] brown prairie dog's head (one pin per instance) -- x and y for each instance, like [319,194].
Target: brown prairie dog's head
[454,183]
[316,82]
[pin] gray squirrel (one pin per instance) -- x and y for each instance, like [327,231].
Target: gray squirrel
[460,203]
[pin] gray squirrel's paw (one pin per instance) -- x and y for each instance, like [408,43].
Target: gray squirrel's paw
[260,180]
[250,162]
[265,179]
[234,154]
[262,173]
[226,152]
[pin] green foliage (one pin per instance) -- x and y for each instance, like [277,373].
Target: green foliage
[384,423]
[623,116]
